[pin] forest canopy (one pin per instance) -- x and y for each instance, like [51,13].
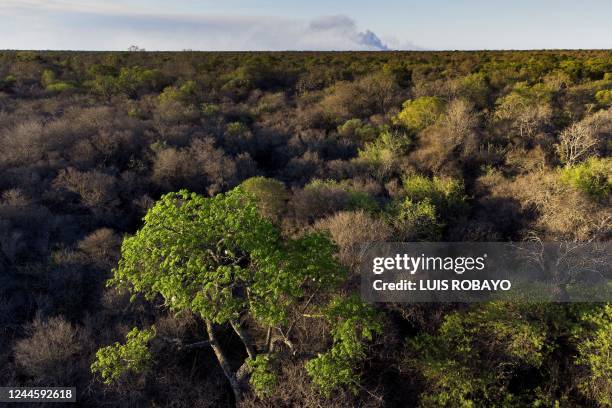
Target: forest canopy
[183,229]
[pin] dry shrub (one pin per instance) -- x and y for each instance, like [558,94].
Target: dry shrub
[97,190]
[271,102]
[302,141]
[352,229]
[25,228]
[369,95]
[521,119]
[560,212]
[452,141]
[523,161]
[343,101]
[102,247]
[305,167]
[314,116]
[54,353]
[26,143]
[171,167]
[219,169]
[475,231]
[175,388]
[585,138]
[15,198]
[343,169]
[175,112]
[199,167]
[309,204]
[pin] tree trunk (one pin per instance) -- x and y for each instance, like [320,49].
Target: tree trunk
[244,336]
[225,366]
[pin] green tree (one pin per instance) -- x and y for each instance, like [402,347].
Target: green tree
[387,150]
[219,258]
[353,323]
[604,97]
[526,108]
[594,338]
[473,357]
[270,195]
[418,221]
[48,77]
[421,112]
[187,93]
[446,194]
[475,88]
[358,130]
[593,177]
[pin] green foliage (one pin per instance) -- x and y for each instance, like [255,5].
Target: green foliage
[597,67]
[426,206]
[452,361]
[112,362]
[251,74]
[593,177]
[352,324]
[594,343]
[186,93]
[136,79]
[102,70]
[418,221]
[219,257]
[604,97]
[210,109]
[389,147]
[103,85]
[419,113]
[263,379]
[522,98]
[357,129]
[27,56]
[130,81]
[237,129]
[202,254]
[400,71]
[270,195]
[47,78]
[475,88]
[446,194]
[572,67]
[60,87]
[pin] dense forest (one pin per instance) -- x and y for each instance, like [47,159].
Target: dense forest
[260,174]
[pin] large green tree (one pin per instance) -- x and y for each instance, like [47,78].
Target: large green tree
[221,259]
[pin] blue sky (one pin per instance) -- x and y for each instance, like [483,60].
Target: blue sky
[305,25]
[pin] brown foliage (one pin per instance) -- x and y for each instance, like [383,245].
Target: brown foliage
[53,352]
[352,230]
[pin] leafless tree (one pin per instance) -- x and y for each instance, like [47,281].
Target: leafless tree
[581,139]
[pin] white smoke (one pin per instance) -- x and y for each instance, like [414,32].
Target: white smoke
[343,28]
[66,26]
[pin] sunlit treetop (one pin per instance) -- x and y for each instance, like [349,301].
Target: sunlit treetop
[219,257]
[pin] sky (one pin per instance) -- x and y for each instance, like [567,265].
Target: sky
[305,25]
